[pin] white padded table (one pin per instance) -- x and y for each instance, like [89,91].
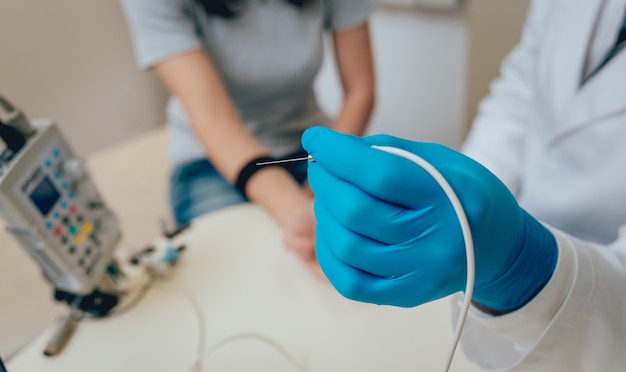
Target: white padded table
[245,281]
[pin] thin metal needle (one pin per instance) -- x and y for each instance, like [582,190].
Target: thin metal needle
[284,161]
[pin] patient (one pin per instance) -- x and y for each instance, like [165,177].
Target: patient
[241,77]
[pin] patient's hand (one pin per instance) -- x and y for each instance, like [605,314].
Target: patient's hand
[300,238]
[307,189]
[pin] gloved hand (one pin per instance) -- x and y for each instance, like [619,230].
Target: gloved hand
[387,234]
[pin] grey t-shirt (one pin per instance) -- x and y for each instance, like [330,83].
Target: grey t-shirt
[267,57]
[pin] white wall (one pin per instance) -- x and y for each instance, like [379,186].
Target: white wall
[420,60]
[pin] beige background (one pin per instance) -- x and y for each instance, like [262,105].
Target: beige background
[493,29]
[71,60]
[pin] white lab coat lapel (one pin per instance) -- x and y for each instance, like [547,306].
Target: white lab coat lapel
[601,96]
[574,25]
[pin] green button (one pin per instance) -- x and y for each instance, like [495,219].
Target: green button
[73,229]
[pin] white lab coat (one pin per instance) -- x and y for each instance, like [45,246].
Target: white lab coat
[561,148]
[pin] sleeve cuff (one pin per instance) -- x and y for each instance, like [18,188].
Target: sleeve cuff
[542,309]
[515,335]
[356,16]
[146,61]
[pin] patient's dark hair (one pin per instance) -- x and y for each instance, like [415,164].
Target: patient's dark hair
[232,8]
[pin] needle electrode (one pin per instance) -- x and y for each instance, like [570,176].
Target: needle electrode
[284,161]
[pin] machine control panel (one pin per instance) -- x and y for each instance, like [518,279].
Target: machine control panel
[53,208]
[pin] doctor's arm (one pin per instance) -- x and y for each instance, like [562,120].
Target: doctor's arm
[387,234]
[353,57]
[575,323]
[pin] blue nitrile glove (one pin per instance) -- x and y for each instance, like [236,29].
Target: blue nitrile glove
[387,233]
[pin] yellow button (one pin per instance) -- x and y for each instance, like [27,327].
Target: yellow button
[87,228]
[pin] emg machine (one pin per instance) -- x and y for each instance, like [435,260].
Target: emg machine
[52,207]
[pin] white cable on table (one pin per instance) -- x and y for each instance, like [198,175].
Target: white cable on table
[203,352]
[252,336]
[197,309]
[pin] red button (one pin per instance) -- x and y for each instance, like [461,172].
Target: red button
[73,209]
[58,231]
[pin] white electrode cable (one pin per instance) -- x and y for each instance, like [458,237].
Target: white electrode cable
[254,337]
[197,309]
[467,237]
[202,352]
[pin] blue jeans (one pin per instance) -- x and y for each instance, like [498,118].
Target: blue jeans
[197,188]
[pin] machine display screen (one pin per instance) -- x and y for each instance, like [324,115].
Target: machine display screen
[45,195]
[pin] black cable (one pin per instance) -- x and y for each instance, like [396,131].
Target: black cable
[2,367]
[16,118]
[13,138]
[6,105]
